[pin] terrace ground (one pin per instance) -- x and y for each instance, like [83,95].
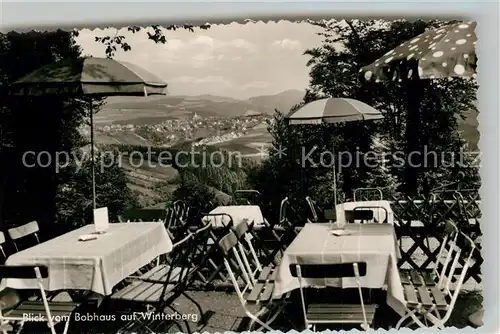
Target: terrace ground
[225,312]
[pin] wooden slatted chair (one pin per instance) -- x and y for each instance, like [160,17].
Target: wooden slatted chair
[22,232]
[325,313]
[49,311]
[435,275]
[259,293]
[431,297]
[161,286]
[258,272]
[273,239]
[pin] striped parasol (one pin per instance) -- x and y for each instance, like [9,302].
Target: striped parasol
[334,110]
[90,77]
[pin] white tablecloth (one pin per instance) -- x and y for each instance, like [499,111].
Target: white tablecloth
[375,244]
[382,210]
[238,213]
[95,265]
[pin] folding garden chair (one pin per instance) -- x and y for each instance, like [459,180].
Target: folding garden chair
[263,273]
[213,265]
[432,297]
[49,311]
[325,313]
[433,276]
[23,231]
[258,293]
[273,239]
[162,285]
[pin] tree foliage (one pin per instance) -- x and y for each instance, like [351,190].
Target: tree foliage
[334,72]
[154,33]
[43,127]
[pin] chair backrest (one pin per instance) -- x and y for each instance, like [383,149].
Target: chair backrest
[362,215]
[176,279]
[312,207]
[225,219]
[458,256]
[23,272]
[234,264]
[283,211]
[30,272]
[382,211]
[246,246]
[457,247]
[22,231]
[2,241]
[336,270]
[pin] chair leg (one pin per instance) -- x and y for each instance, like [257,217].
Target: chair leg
[403,319]
[66,325]
[198,306]
[257,320]
[185,321]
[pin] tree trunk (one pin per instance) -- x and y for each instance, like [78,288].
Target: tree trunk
[414,150]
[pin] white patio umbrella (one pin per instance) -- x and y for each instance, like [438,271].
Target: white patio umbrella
[334,110]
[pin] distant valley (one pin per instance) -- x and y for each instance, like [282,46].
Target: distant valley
[227,123]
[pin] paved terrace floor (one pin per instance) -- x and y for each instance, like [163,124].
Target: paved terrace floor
[226,314]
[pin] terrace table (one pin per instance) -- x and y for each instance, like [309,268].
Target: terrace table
[375,244]
[238,213]
[95,265]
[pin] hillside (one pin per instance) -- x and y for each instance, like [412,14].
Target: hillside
[283,101]
[247,135]
[155,109]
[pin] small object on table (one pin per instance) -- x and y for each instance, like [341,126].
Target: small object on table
[101,220]
[87,237]
[340,231]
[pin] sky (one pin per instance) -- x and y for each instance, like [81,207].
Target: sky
[234,60]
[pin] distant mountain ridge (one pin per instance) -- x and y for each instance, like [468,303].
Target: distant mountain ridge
[155,109]
[163,107]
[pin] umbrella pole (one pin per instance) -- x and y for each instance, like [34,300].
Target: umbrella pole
[334,179]
[92,163]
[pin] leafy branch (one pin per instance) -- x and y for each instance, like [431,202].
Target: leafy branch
[155,33]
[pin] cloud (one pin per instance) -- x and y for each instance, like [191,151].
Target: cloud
[203,50]
[211,79]
[207,43]
[242,44]
[288,44]
[255,84]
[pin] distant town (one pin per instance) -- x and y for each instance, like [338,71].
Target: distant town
[195,129]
